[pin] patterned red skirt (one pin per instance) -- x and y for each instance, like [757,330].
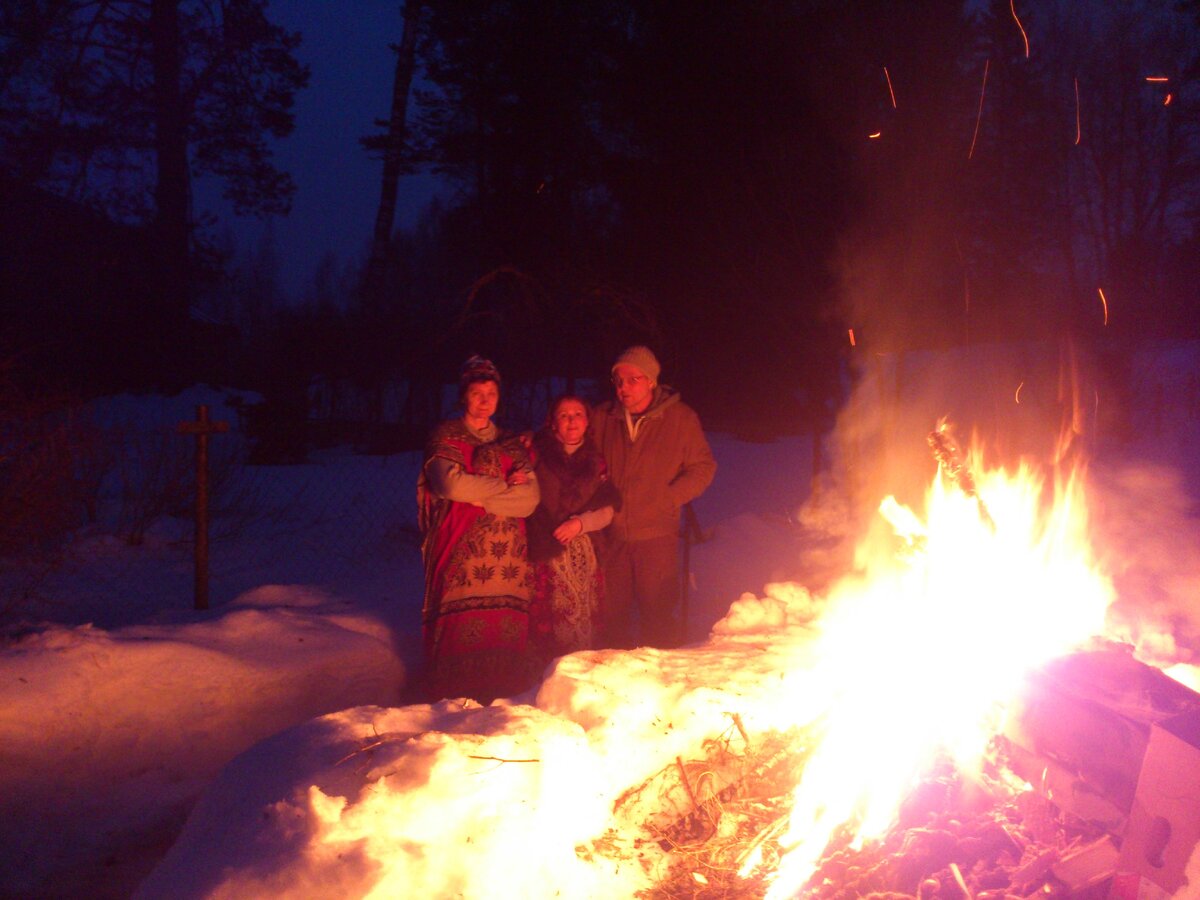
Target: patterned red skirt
[568,594]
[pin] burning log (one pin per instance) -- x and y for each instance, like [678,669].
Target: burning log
[949,457]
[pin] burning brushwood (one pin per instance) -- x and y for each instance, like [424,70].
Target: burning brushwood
[984,835]
[950,458]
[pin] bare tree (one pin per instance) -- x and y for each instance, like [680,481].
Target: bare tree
[392,145]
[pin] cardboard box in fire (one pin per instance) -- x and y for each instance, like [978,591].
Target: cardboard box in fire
[1117,742]
[1164,824]
[1131,886]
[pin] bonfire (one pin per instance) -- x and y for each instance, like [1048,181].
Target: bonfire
[967,730]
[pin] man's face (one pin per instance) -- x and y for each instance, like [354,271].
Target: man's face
[481,400]
[634,389]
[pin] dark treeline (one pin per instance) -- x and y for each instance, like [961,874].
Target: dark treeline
[739,185]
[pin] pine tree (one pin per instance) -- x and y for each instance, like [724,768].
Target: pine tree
[120,103]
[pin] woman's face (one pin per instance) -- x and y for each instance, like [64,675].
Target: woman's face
[481,400]
[570,422]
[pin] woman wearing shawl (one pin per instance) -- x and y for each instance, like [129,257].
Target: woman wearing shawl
[475,488]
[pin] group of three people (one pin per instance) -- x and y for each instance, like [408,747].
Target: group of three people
[569,541]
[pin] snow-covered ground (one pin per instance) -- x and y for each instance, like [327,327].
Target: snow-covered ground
[279,707]
[119,703]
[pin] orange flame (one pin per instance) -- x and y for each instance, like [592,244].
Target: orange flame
[1024,36]
[979,118]
[985,597]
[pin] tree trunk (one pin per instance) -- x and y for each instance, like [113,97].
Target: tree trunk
[386,215]
[171,191]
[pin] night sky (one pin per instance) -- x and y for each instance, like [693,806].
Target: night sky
[346,47]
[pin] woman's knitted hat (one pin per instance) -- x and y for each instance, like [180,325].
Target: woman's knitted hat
[475,370]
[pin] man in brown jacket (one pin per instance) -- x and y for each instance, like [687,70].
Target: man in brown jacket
[658,460]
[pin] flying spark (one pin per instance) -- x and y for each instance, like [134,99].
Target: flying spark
[891,93]
[1024,36]
[875,134]
[1017,395]
[1157,79]
[1104,303]
[852,342]
[1167,99]
[979,118]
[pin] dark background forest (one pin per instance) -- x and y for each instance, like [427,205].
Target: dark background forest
[764,192]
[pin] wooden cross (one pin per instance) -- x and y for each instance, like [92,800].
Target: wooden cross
[202,428]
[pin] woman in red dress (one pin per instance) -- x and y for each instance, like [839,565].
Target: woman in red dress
[475,489]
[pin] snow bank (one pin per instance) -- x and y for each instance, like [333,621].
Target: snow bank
[513,799]
[117,732]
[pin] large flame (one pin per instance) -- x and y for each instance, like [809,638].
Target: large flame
[920,651]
